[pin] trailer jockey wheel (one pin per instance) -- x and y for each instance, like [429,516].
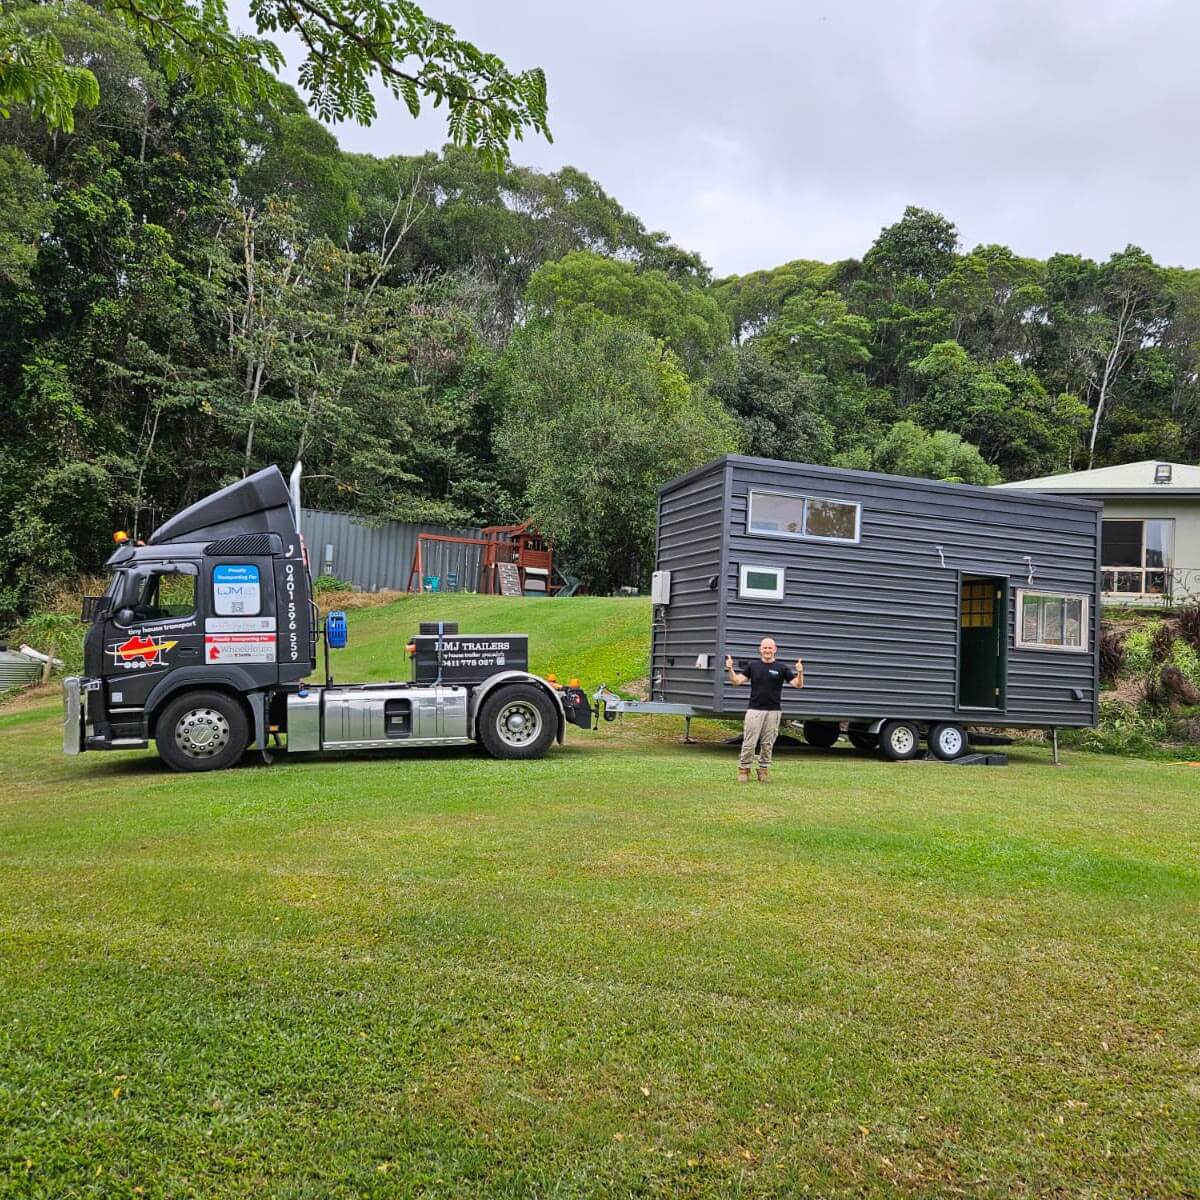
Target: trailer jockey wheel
[948,741]
[821,733]
[899,740]
[201,731]
[517,721]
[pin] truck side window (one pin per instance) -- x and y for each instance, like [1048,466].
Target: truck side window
[162,595]
[237,591]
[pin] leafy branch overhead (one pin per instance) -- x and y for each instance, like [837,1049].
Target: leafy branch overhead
[349,44]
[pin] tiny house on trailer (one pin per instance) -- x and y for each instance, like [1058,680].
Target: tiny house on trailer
[920,609]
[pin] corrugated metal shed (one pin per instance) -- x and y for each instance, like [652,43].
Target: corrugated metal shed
[17,670]
[877,618]
[378,556]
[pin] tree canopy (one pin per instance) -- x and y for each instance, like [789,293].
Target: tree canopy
[348,44]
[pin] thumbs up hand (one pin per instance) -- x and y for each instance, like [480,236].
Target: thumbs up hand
[729,662]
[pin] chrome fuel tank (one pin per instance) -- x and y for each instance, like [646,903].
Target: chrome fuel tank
[374,716]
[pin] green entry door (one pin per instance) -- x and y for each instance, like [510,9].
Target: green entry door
[982,627]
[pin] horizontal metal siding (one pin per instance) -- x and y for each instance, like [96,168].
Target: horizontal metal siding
[690,528]
[17,670]
[377,557]
[877,622]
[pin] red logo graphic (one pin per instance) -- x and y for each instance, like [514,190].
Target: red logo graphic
[144,648]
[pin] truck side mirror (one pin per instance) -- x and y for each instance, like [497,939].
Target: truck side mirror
[124,616]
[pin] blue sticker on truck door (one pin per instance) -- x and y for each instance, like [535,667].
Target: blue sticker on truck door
[237,591]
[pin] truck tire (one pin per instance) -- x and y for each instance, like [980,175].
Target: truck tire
[201,731]
[948,741]
[899,740]
[517,720]
[821,733]
[860,739]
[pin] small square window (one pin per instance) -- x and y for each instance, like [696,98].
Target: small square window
[760,583]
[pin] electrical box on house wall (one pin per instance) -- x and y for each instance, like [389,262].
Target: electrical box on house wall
[660,587]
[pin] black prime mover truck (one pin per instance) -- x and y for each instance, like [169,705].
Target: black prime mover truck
[206,637]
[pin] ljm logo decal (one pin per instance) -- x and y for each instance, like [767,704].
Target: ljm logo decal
[138,652]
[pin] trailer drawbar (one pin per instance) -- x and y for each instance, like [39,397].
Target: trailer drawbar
[205,638]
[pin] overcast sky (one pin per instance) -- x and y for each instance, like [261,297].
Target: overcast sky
[769,130]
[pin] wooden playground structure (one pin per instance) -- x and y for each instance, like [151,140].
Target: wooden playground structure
[508,560]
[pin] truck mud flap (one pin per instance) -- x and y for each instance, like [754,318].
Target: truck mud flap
[576,707]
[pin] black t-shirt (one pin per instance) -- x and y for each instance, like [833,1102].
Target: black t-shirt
[766,682]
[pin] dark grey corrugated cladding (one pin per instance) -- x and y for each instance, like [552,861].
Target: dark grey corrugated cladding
[691,529]
[877,621]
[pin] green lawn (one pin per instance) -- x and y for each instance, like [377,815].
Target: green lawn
[612,972]
[598,639]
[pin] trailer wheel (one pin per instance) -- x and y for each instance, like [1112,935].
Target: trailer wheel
[860,739]
[947,741]
[517,721]
[821,733]
[202,731]
[899,740]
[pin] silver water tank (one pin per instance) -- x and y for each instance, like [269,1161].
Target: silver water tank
[17,670]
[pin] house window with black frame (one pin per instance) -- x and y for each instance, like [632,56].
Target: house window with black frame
[760,583]
[1135,557]
[784,514]
[1052,621]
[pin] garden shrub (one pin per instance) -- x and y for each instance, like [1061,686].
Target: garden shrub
[324,584]
[1189,625]
[1139,656]
[1112,655]
[1162,642]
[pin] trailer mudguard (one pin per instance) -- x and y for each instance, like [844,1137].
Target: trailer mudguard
[479,694]
[234,679]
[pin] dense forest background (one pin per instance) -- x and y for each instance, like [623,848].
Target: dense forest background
[188,292]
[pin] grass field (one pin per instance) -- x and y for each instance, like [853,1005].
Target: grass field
[612,972]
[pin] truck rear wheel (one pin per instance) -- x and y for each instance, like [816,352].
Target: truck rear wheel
[516,721]
[201,731]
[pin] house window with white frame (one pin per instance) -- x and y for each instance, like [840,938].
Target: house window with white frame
[1052,620]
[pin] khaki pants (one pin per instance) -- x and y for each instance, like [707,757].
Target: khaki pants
[761,728]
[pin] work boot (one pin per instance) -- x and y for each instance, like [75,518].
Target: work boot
[743,774]
[763,775]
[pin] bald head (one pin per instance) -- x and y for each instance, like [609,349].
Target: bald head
[767,649]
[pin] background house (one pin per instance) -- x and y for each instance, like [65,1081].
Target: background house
[1151,545]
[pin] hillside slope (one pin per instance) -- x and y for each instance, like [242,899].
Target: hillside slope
[599,639]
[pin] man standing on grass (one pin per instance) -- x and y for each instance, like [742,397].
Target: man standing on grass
[766,678]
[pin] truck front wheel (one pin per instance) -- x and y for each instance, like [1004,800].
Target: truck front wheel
[516,721]
[201,731]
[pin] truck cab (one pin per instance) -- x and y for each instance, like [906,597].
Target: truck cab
[206,635]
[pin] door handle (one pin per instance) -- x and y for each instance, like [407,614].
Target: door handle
[189,652]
